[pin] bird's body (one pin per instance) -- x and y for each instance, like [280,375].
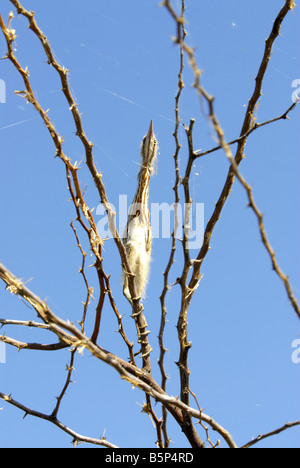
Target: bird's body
[137,236]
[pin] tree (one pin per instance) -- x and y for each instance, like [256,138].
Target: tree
[72,330]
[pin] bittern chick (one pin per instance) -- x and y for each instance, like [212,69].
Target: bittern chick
[137,236]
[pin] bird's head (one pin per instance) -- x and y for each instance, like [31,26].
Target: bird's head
[149,149]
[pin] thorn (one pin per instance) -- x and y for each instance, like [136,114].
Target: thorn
[75,442]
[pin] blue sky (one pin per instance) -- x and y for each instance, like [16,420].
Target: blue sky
[123,73]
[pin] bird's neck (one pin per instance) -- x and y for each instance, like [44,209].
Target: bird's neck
[142,193]
[140,204]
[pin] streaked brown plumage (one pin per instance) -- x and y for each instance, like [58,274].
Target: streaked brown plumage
[137,236]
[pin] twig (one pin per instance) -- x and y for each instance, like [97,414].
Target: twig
[98,264]
[256,126]
[70,369]
[104,289]
[201,423]
[95,241]
[89,289]
[260,218]
[148,408]
[166,287]
[27,323]
[182,324]
[77,438]
[33,346]
[96,175]
[270,434]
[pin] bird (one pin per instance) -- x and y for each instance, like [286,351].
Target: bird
[137,237]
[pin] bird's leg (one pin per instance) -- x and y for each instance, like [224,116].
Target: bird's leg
[127,294]
[126,291]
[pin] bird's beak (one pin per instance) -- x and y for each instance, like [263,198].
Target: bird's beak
[150,133]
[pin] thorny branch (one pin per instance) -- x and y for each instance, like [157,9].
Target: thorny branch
[68,334]
[77,196]
[71,335]
[70,369]
[77,438]
[35,346]
[182,324]
[96,175]
[104,289]
[284,116]
[76,193]
[166,287]
[259,438]
[247,128]
[95,241]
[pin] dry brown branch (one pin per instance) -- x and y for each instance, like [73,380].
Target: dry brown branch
[77,197]
[34,346]
[69,334]
[96,175]
[90,290]
[182,324]
[97,178]
[148,409]
[72,336]
[104,289]
[247,127]
[70,369]
[166,287]
[256,126]
[203,425]
[185,181]
[28,323]
[272,433]
[95,241]
[77,438]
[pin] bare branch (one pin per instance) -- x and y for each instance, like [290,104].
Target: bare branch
[77,438]
[70,369]
[201,423]
[182,324]
[247,128]
[96,175]
[90,290]
[270,434]
[70,334]
[166,287]
[34,346]
[28,323]
[256,126]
